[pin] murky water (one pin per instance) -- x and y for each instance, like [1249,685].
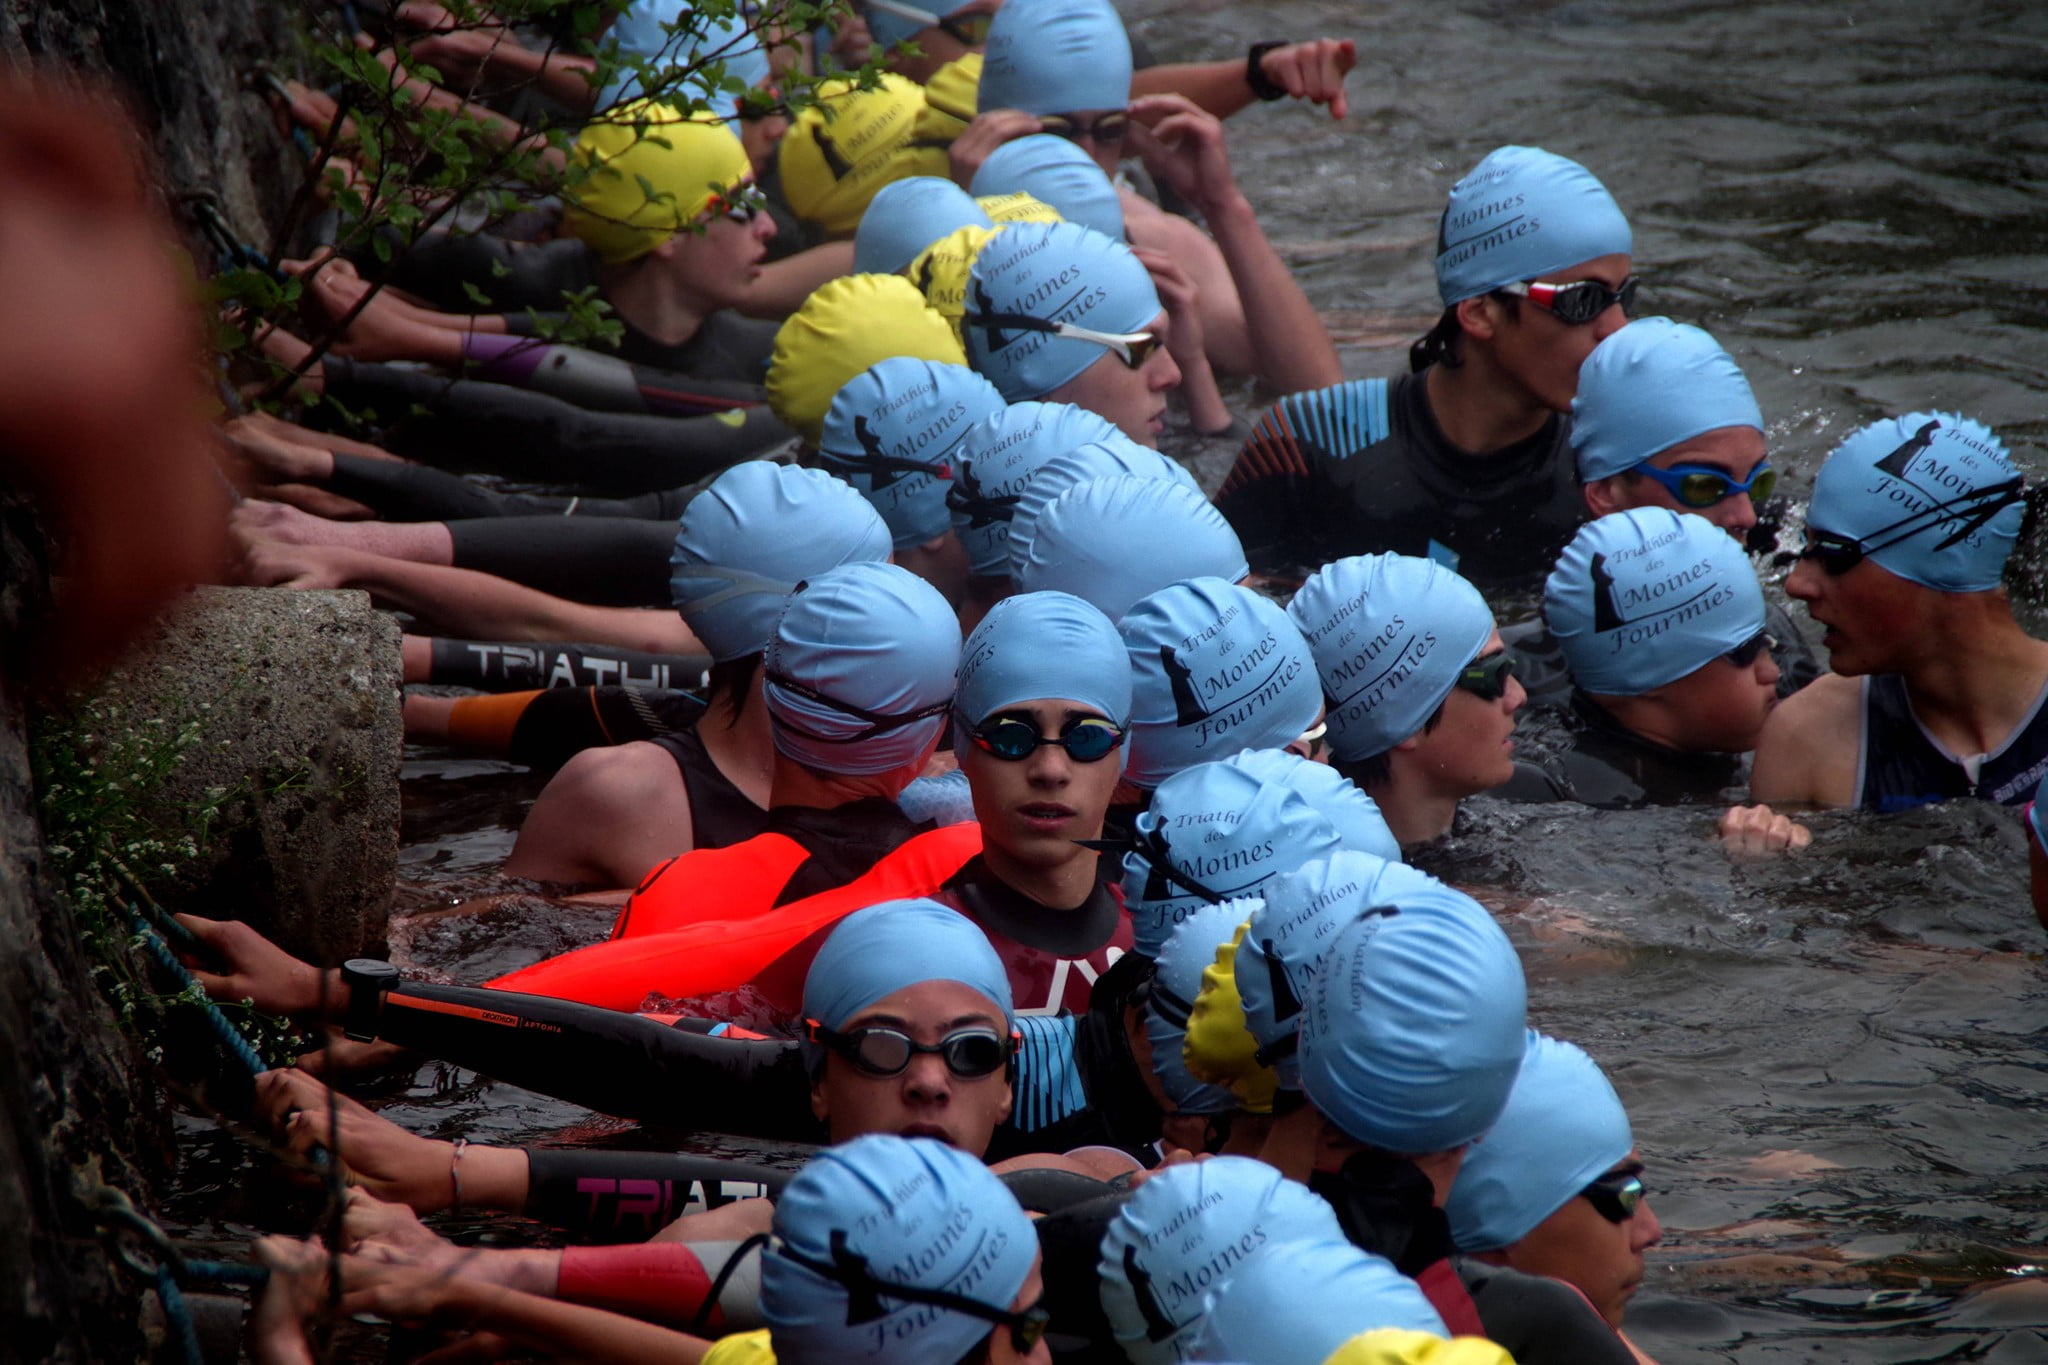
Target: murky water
[1834,1063]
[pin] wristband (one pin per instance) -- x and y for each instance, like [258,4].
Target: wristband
[1255,76]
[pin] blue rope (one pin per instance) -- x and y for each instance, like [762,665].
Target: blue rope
[230,1037]
[178,1316]
[227,1273]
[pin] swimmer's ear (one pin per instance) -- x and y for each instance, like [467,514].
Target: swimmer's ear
[1479,317]
[1604,495]
[820,1110]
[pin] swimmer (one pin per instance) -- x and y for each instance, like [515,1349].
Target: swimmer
[1255,1310]
[847,146]
[1936,692]
[1661,619]
[740,548]
[1421,692]
[1103,349]
[1464,461]
[1411,1035]
[1216,670]
[894,432]
[908,215]
[1112,541]
[1556,1188]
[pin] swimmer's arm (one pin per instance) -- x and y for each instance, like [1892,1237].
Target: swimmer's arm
[1808,750]
[1313,71]
[465,602]
[604,819]
[783,285]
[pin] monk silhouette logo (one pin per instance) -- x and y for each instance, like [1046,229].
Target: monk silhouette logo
[1187,704]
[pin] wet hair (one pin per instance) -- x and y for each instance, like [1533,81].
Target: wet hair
[732,679]
[1376,770]
[1441,344]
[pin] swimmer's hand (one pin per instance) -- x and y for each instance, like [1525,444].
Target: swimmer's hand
[990,130]
[378,1155]
[1751,832]
[1182,146]
[295,1292]
[256,970]
[1313,71]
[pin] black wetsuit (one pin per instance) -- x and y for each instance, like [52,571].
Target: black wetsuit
[463,424]
[1899,765]
[1363,467]
[720,813]
[398,490]
[1387,1206]
[1610,768]
[562,722]
[521,666]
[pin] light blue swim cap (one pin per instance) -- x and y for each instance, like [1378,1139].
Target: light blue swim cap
[878,641]
[1305,910]
[1564,1128]
[876,952]
[1215,669]
[908,215]
[1391,634]
[1412,1031]
[1214,832]
[1262,1310]
[1642,598]
[1058,174]
[1176,981]
[1043,645]
[997,456]
[645,30]
[1650,386]
[746,540]
[891,432]
[1112,541]
[1056,57]
[883,1210]
[1521,214]
[1033,275]
[1933,497]
[1335,797]
[1182,1232]
[1100,459]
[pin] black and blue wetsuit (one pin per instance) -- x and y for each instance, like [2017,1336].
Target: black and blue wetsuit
[1899,766]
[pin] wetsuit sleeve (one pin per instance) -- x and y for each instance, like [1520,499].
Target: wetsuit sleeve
[510,276]
[671,1282]
[595,380]
[517,666]
[615,1063]
[402,491]
[545,729]
[467,425]
[605,561]
[1269,495]
[630,1196]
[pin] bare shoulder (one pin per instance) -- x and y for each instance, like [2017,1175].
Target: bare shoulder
[1809,747]
[607,816]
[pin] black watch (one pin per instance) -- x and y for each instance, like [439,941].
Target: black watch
[1255,77]
[367,980]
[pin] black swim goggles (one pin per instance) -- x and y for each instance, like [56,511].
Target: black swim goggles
[1837,554]
[1487,677]
[1702,485]
[1744,654]
[1617,1195]
[877,723]
[1106,129]
[970,30]
[1087,739]
[882,1052]
[1579,302]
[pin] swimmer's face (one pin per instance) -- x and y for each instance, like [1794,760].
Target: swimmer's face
[1032,809]
[925,1099]
[1135,400]
[1734,451]
[1721,706]
[1534,351]
[1875,621]
[720,262]
[1472,749]
[1577,1244]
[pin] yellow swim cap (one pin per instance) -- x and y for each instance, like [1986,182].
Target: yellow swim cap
[1218,1048]
[1399,1346]
[848,145]
[940,271]
[845,326]
[949,100]
[741,1348]
[648,173]
[1018,207]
